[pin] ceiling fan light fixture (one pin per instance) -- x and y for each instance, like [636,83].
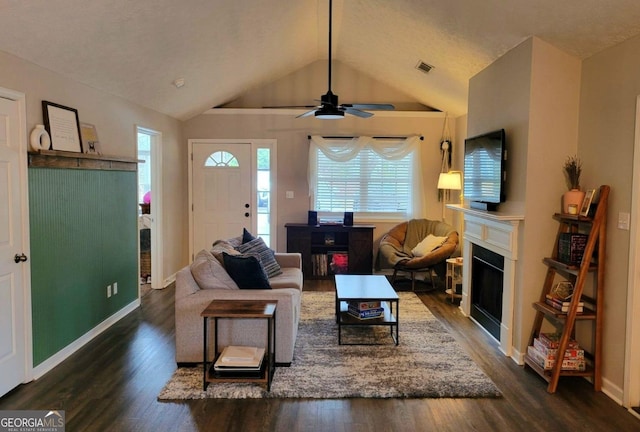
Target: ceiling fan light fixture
[324,114]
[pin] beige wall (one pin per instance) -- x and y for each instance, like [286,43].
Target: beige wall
[293,149]
[115,120]
[532,92]
[304,87]
[610,86]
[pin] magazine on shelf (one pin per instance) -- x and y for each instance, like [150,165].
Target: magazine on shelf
[240,358]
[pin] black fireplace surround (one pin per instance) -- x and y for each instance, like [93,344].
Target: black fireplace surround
[487,274]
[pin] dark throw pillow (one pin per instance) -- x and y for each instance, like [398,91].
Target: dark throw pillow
[259,249]
[247,236]
[246,271]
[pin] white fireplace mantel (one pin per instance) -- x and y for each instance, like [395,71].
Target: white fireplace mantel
[498,232]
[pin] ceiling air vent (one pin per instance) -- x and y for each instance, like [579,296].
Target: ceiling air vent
[424,67]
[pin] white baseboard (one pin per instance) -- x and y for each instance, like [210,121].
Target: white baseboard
[168,281]
[64,353]
[613,391]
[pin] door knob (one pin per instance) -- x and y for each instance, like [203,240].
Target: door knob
[20,258]
[246,214]
[246,205]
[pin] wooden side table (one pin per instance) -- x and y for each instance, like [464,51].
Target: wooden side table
[240,309]
[453,278]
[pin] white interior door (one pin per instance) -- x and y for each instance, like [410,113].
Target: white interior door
[13,287]
[221,192]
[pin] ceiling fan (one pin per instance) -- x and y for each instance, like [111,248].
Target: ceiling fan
[329,108]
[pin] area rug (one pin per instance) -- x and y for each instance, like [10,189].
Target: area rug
[428,362]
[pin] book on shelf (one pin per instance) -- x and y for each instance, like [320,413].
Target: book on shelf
[319,262]
[571,247]
[562,306]
[552,340]
[365,314]
[239,358]
[548,363]
[552,353]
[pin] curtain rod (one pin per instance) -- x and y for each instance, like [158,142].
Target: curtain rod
[376,137]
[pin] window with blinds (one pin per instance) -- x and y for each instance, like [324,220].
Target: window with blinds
[364,184]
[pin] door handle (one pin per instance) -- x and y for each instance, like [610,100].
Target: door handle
[20,258]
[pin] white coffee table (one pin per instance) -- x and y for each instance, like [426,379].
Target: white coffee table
[366,288]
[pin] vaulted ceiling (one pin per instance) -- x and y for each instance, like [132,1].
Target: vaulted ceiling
[225,48]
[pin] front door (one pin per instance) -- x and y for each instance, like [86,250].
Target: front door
[221,187]
[13,289]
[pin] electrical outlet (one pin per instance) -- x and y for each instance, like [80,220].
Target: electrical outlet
[289,194]
[108,291]
[115,288]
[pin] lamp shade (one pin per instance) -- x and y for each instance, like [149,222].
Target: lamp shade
[450,180]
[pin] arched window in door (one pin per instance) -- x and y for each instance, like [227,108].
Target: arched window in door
[221,159]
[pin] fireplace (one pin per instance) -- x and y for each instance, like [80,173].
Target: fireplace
[493,238]
[487,275]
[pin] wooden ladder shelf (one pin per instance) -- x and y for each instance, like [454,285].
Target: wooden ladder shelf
[593,261]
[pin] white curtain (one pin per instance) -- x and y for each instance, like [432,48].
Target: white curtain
[345,149]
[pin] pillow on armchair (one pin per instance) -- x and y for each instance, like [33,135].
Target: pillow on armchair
[427,245]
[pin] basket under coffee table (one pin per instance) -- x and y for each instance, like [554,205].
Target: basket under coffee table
[366,288]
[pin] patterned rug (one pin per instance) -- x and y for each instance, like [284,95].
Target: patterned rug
[428,363]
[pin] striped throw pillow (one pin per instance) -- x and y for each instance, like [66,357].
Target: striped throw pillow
[260,250]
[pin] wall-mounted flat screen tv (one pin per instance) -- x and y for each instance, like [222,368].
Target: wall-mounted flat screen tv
[484,170]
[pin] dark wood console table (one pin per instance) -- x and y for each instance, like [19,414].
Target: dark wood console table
[318,244]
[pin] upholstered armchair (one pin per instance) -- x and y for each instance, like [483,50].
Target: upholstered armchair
[418,245]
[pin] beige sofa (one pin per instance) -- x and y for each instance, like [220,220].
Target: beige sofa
[191,299]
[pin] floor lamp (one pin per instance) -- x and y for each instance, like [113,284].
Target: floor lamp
[451,180]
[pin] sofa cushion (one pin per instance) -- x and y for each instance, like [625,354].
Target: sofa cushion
[209,273]
[428,244]
[260,250]
[291,277]
[246,271]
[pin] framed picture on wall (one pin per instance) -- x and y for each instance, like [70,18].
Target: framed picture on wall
[586,202]
[90,142]
[63,126]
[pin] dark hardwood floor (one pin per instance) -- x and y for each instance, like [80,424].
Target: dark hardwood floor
[112,383]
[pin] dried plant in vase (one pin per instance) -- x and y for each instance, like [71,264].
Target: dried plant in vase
[572,199]
[572,171]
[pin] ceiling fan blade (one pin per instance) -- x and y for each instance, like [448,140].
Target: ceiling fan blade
[357,112]
[380,107]
[307,114]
